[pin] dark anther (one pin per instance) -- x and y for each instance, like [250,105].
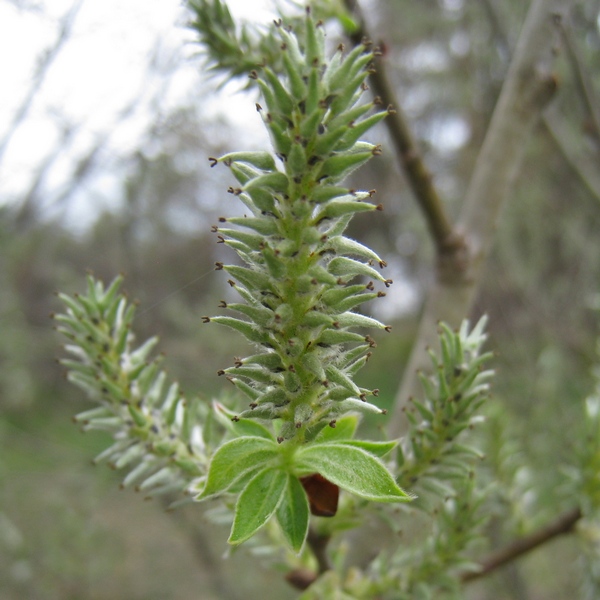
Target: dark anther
[364,86]
[388,282]
[368,356]
[336,325]
[340,47]
[370,341]
[391,110]
[283,46]
[220,372]
[377,51]
[253,74]
[230,190]
[277,22]
[381,294]
[325,383]
[237,361]
[375,392]
[340,281]
[332,423]
[213,161]
[231,282]
[363,397]
[220,239]
[377,151]
[214,229]
[292,369]
[235,419]
[218,266]
[222,304]
[379,207]
[366,42]
[298,425]
[253,405]
[258,107]
[222,220]
[384,411]
[279,440]
[382,264]
[205,319]
[370,286]
[321,128]
[313,160]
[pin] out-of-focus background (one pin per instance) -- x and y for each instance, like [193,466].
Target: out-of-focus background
[107,117]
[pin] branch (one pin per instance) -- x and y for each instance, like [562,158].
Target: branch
[301,579]
[528,87]
[408,155]
[583,163]
[582,78]
[565,523]
[318,544]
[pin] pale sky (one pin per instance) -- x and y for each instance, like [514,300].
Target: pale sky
[99,71]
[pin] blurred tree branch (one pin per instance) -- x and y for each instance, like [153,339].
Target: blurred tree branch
[409,157]
[527,89]
[517,548]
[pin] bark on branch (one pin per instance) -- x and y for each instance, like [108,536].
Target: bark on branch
[565,523]
[407,152]
[528,87]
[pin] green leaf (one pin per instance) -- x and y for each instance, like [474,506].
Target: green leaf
[353,469]
[233,460]
[257,503]
[293,514]
[376,448]
[344,430]
[240,427]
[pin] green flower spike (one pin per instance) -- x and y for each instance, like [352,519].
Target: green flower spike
[300,281]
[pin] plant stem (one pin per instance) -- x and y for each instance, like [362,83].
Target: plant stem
[565,523]
[318,544]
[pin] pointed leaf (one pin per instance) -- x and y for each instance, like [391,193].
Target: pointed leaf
[240,427]
[257,503]
[344,430]
[376,448]
[234,459]
[292,514]
[353,469]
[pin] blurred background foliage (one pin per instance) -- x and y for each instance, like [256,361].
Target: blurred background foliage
[65,529]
